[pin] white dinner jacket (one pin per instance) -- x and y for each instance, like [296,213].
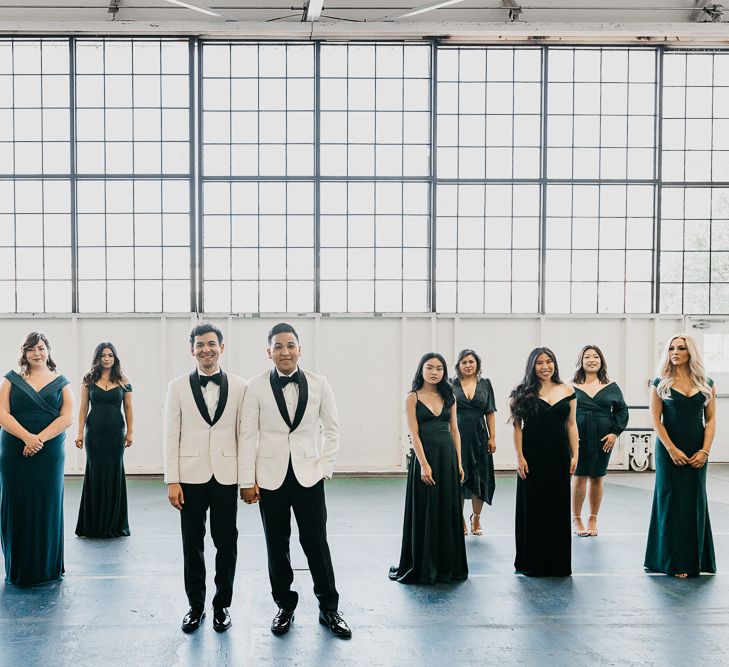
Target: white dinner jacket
[268,438]
[197,447]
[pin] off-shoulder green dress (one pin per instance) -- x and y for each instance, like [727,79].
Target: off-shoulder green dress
[103,510]
[31,487]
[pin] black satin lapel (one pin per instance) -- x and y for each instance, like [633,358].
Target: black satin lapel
[303,400]
[278,395]
[197,395]
[223,398]
[23,385]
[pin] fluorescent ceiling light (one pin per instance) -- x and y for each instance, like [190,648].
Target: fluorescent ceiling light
[187,5]
[313,10]
[425,8]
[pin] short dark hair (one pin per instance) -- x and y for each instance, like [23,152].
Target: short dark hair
[281,327]
[205,328]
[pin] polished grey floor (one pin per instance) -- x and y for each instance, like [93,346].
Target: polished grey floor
[122,600]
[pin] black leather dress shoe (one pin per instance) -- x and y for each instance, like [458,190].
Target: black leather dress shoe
[221,620]
[192,620]
[282,621]
[335,623]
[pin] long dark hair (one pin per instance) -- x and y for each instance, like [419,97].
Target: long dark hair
[115,373]
[31,340]
[461,356]
[523,400]
[579,376]
[444,388]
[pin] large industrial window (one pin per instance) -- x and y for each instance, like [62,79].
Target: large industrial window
[694,249]
[133,136]
[258,125]
[375,168]
[488,136]
[35,197]
[167,175]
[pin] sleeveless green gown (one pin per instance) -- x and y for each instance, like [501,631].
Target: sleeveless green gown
[679,537]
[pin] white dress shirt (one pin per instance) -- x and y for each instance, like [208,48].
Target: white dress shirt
[291,394]
[211,394]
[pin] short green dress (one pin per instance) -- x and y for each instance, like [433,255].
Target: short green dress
[679,537]
[598,416]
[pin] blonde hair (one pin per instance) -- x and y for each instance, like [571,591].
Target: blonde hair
[666,371]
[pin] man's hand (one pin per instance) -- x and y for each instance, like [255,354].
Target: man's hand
[250,495]
[175,496]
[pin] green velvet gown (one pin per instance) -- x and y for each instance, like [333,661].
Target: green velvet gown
[31,488]
[679,537]
[103,510]
[433,546]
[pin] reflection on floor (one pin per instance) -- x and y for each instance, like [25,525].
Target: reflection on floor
[123,600]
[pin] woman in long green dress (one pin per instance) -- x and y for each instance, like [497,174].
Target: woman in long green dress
[602,416]
[477,427]
[105,388]
[433,546]
[683,409]
[36,408]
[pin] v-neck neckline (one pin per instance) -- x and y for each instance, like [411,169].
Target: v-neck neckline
[47,384]
[596,393]
[680,393]
[116,386]
[551,405]
[442,407]
[465,395]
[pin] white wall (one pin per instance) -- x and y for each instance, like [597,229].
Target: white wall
[370,362]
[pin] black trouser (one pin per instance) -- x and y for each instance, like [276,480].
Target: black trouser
[310,510]
[222,499]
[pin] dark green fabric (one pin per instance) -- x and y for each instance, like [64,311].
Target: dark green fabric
[478,463]
[103,510]
[598,416]
[679,536]
[543,534]
[433,546]
[31,488]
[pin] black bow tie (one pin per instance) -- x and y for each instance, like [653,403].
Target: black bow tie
[283,380]
[204,379]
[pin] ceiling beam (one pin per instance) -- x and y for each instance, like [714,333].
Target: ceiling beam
[313,10]
[696,34]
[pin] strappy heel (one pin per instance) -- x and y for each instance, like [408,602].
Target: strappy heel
[592,532]
[479,530]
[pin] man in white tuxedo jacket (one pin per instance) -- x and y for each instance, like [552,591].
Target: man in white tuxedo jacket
[202,418]
[283,463]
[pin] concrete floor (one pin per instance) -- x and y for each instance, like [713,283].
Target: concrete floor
[122,600]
